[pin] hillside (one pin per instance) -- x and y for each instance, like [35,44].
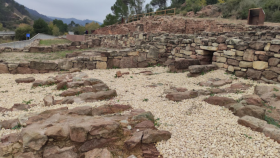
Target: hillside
[35,15]
[77,21]
[12,14]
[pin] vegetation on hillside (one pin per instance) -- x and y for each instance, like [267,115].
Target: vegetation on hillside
[229,8]
[12,14]
[233,8]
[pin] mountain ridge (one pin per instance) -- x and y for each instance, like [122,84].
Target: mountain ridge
[77,21]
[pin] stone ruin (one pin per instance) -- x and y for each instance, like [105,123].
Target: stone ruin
[85,131]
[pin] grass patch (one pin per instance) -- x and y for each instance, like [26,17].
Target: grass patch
[157,123]
[49,42]
[276,90]
[18,126]
[247,136]
[27,102]
[268,106]
[64,88]
[145,100]
[271,121]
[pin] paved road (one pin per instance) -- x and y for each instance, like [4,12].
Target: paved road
[22,44]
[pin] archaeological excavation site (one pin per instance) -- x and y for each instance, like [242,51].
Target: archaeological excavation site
[162,86]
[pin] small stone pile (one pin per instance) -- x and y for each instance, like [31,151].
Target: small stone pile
[179,94]
[259,111]
[86,132]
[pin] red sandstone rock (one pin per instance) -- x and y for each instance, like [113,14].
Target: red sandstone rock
[179,96]
[118,74]
[221,101]
[25,80]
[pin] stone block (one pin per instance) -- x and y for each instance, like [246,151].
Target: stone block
[267,47]
[221,59]
[3,69]
[269,75]
[222,47]
[230,53]
[233,62]
[220,65]
[240,73]
[231,68]
[260,65]
[263,57]
[186,52]
[153,52]
[277,55]
[101,65]
[133,53]
[274,48]
[240,53]
[142,57]
[275,41]
[257,45]
[249,55]
[273,61]
[217,54]
[210,48]
[128,62]
[260,52]
[254,74]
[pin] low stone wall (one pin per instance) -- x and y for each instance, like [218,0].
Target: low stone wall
[177,24]
[75,38]
[81,60]
[254,55]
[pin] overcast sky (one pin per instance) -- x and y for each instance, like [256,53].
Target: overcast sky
[79,9]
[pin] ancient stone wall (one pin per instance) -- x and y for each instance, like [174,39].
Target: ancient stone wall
[177,24]
[253,55]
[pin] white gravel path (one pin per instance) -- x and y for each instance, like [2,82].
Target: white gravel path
[205,131]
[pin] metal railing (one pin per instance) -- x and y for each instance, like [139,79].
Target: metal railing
[160,12]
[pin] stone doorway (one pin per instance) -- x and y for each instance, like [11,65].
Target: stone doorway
[205,57]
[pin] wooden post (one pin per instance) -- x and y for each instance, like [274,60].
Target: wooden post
[165,12]
[174,11]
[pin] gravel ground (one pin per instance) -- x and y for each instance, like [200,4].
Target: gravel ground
[198,129]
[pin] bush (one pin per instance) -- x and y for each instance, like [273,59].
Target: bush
[276,16]
[243,10]
[22,31]
[40,26]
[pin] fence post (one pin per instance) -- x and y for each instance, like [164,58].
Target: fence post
[174,11]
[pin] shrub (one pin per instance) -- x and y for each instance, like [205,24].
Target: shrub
[22,31]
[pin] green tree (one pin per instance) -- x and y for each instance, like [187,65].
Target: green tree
[55,31]
[110,20]
[40,26]
[195,5]
[80,30]
[160,4]
[208,2]
[148,8]
[62,26]
[22,31]
[272,9]
[137,6]
[1,27]
[92,26]
[177,3]
[120,9]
